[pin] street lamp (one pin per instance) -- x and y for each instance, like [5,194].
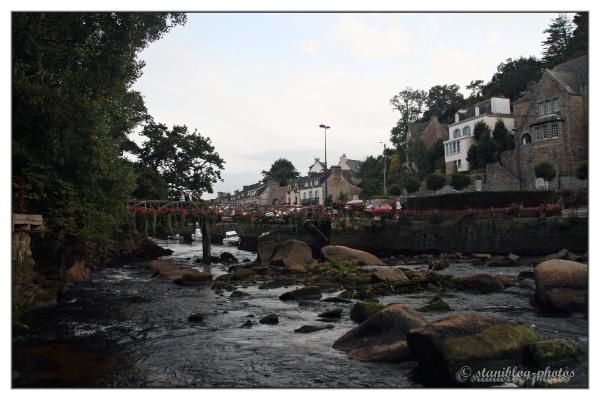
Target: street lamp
[384,170]
[325,127]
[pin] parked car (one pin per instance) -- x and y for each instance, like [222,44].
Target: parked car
[354,205]
[378,210]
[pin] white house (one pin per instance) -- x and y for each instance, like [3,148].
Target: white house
[461,136]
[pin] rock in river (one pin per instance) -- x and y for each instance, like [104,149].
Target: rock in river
[388,275]
[269,319]
[332,314]
[561,286]
[444,347]
[553,352]
[482,283]
[382,337]
[362,310]
[305,293]
[227,258]
[435,304]
[161,265]
[293,255]
[312,328]
[343,253]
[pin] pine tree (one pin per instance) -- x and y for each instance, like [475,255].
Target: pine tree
[558,37]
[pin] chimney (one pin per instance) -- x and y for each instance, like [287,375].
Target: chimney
[336,171]
[456,117]
[434,119]
[476,111]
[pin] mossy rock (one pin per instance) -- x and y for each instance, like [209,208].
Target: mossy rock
[242,274]
[305,293]
[222,285]
[552,352]
[346,294]
[270,319]
[312,328]
[362,310]
[335,313]
[437,304]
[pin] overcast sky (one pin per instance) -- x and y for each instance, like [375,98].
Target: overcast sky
[260,84]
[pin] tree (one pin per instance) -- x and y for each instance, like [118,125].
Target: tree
[343,197]
[149,184]
[476,88]
[480,129]
[417,154]
[282,171]
[411,184]
[396,189]
[513,76]
[483,152]
[409,103]
[435,181]
[558,38]
[459,181]
[504,140]
[582,171]
[443,101]
[72,111]
[371,175]
[546,171]
[187,161]
[435,156]
[578,45]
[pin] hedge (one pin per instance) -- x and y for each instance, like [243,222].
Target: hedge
[459,201]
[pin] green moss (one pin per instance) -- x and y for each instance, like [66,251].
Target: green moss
[437,304]
[551,352]
[362,310]
[490,343]
[242,274]
[270,319]
[222,285]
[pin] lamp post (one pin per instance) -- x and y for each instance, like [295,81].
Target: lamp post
[325,127]
[384,170]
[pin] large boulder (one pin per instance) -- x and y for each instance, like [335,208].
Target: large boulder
[293,255]
[444,347]
[227,258]
[382,337]
[265,251]
[78,272]
[561,286]
[388,275]
[343,253]
[482,283]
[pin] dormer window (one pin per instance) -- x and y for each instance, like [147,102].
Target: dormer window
[466,131]
[555,105]
[456,134]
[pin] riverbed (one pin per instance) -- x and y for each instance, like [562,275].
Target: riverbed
[126,328]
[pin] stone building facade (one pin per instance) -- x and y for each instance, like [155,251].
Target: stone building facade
[551,124]
[258,194]
[429,131]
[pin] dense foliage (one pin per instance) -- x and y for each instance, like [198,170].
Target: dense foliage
[282,171]
[371,175]
[73,109]
[459,181]
[545,170]
[435,181]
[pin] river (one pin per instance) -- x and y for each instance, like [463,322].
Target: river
[125,328]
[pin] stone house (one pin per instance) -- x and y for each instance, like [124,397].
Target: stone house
[461,131]
[429,131]
[551,121]
[258,194]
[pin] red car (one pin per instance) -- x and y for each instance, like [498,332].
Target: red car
[378,210]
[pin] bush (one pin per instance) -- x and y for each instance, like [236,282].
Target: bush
[460,180]
[412,184]
[395,190]
[545,170]
[435,181]
[462,201]
[582,171]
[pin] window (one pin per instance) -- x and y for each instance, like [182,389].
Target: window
[548,107]
[540,108]
[526,138]
[458,147]
[538,135]
[459,163]
[467,131]
[546,132]
[315,182]
[456,134]
[555,106]
[306,184]
[446,152]
[554,130]
[310,194]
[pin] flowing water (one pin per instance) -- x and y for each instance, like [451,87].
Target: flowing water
[127,329]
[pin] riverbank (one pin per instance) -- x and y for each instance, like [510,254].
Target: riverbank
[126,328]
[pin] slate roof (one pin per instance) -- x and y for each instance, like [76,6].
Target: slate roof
[573,75]
[354,165]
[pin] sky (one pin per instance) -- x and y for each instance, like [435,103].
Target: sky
[259,85]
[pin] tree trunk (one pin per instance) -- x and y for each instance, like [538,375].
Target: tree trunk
[205,241]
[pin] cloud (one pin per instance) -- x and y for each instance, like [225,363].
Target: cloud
[310,46]
[380,39]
